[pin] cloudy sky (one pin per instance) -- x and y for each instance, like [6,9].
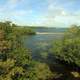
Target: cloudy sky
[52,13]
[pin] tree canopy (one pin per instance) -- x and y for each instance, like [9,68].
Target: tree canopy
[15,60]
[68,48]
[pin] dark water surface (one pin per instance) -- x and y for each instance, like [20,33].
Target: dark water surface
[40,43]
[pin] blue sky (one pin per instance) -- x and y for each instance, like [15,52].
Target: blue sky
[51,13]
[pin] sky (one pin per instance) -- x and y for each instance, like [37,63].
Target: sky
[50,13]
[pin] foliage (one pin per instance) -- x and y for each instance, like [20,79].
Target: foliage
[68,48]
[13,56]
[15,60]
[39,71]
[23,30]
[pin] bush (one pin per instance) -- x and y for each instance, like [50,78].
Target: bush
[68,49]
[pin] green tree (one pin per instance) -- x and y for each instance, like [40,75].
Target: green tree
[68,48]
[13,56]
[15,60]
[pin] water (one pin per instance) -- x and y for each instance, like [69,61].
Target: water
[43,29]
[39,44]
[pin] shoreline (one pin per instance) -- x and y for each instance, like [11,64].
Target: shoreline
[48,33]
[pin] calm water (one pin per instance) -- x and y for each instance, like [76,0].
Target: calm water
[39,44]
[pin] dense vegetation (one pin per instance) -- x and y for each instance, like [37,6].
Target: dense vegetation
[68,48]
[15,60]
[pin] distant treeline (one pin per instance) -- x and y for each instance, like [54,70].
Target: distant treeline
[25,30]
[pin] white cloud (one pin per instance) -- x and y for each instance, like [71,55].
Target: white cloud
[57,15]
[64,13]
[14,1]
[54,14]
